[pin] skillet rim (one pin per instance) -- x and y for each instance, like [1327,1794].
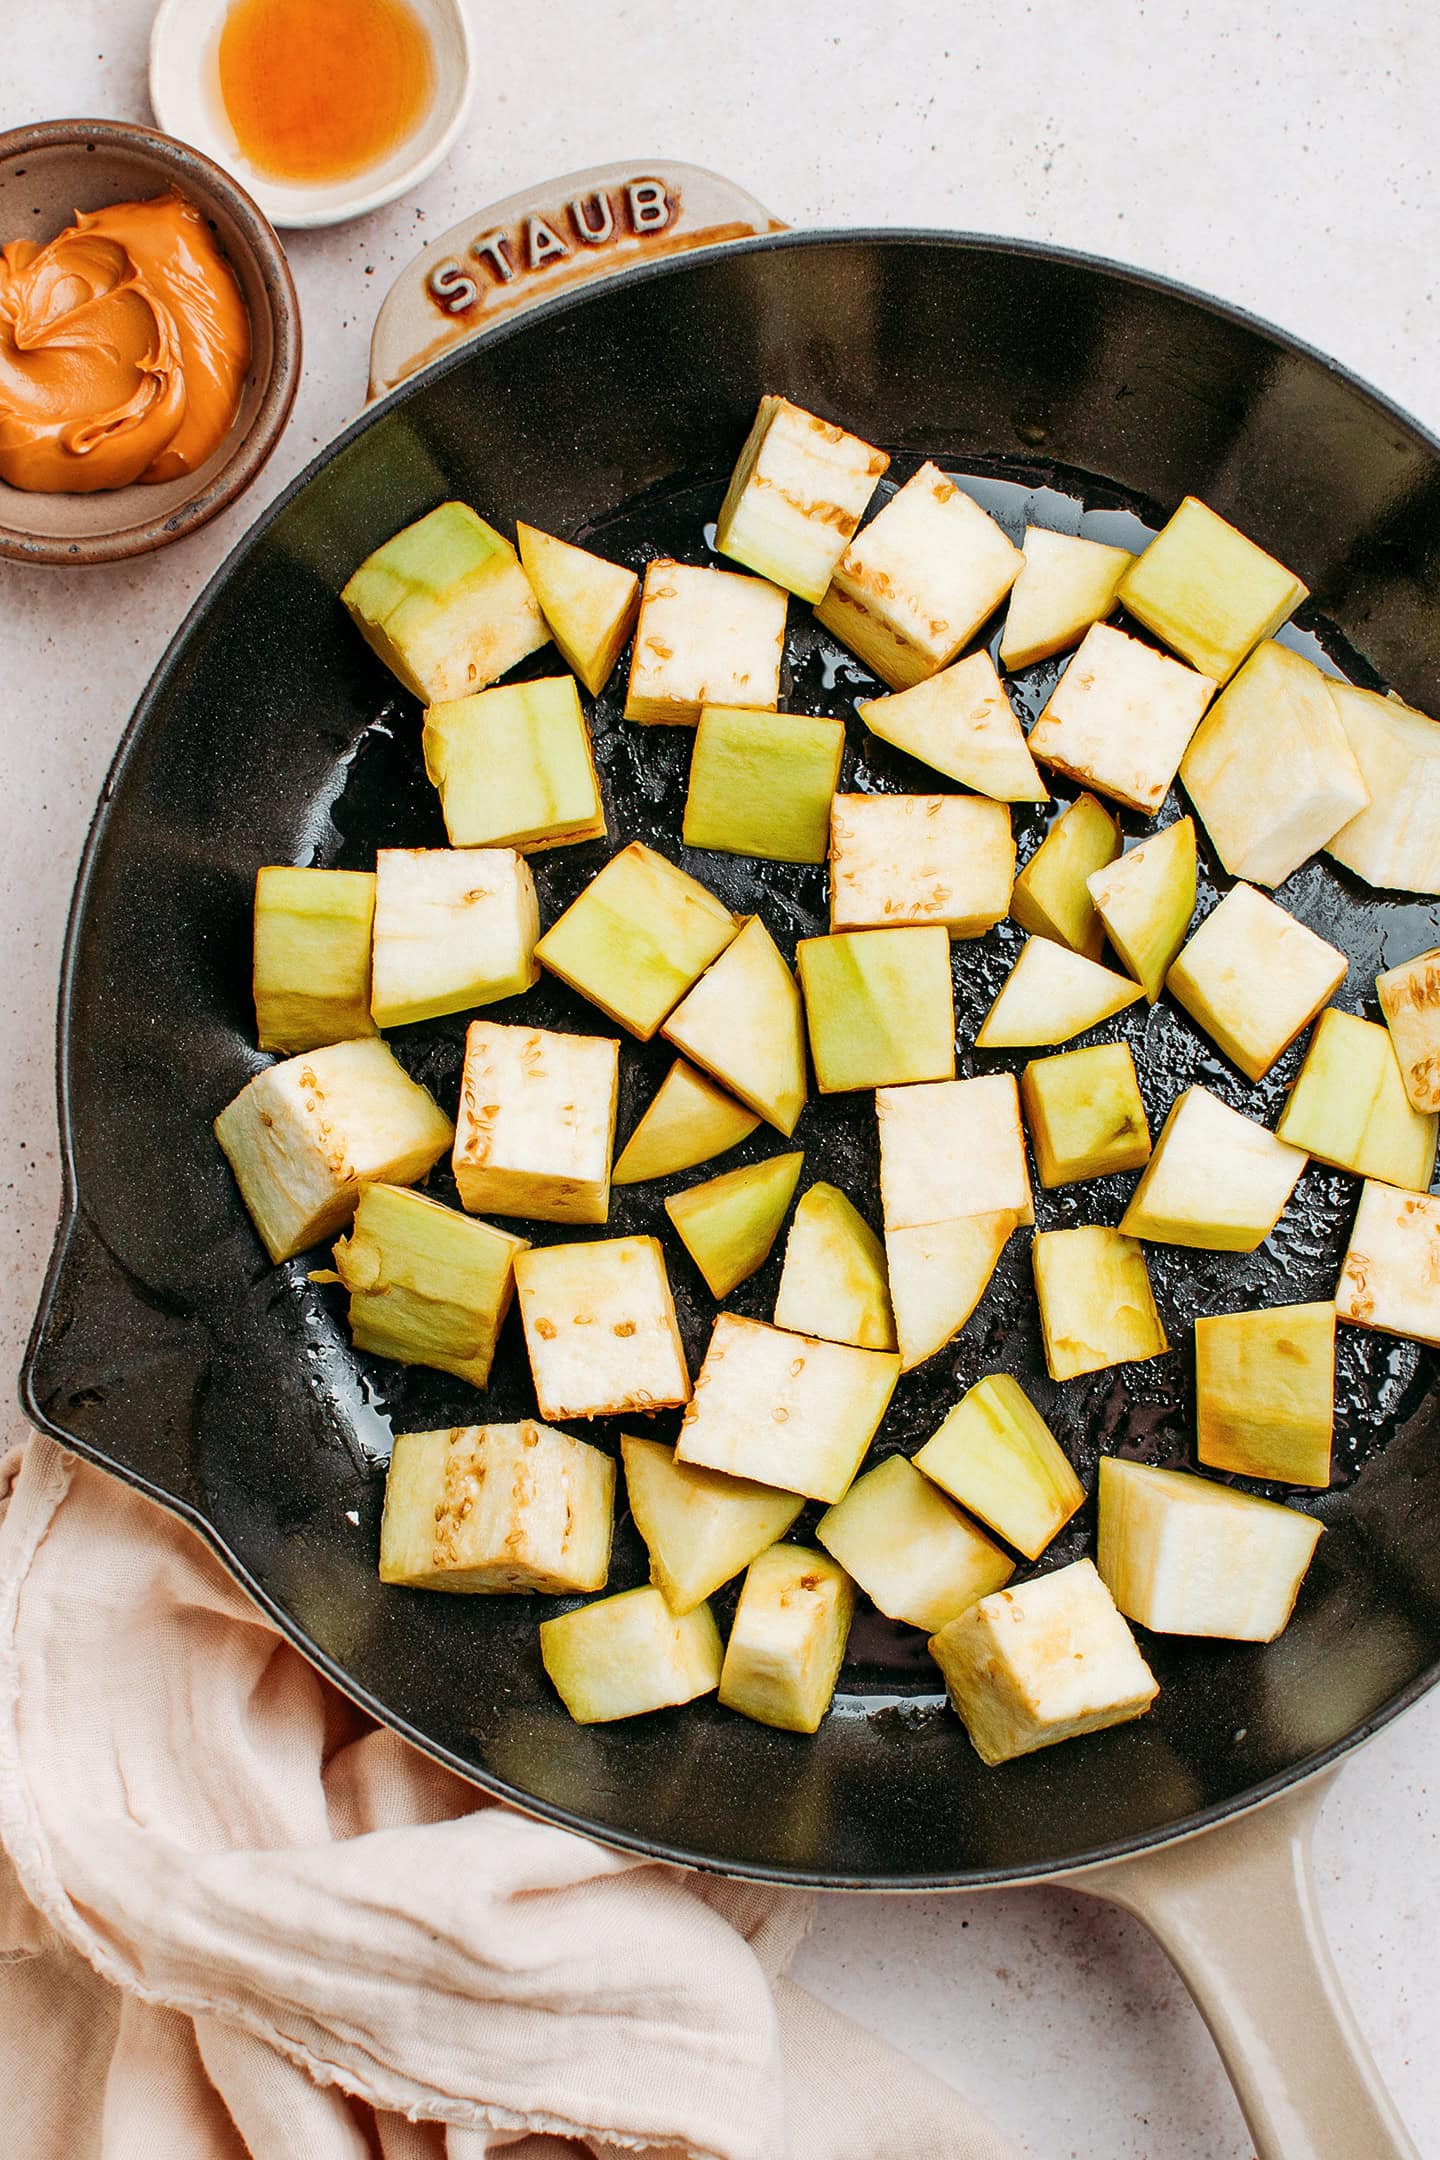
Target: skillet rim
[70,1224]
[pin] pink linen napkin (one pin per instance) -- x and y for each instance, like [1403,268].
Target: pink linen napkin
[241,1920]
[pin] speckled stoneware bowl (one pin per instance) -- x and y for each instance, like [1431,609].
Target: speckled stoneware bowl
[47,173]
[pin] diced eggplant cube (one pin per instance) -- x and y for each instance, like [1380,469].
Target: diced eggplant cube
[427,1286]
[961,723]
[312,956]
[639,935]
[919,859]
[536,1123]
[497,1508]
[625,1655]
[1052,893]
[700,1527]
[785,1409]
[1120,718]
[687,1121]
[1410,1000]
[1145,899]
[1254,978]
[589,604]
[1096,1305]
[1184,1556]
[1207,592]
[514,768]
[1394,842]
[728,1224]
[995,1454]
[1065,585]
[1390,1276]
[834,1282]
[761,784]
[910,1549]
[799,489]
[744,1025]
[1270,769]
[788,1641]
[938,1273]
[600,1328]
[1085,1114]
[1050,995]
[304,1136]
[704,637]
[446,605]
[1265,1392]
[1217,1179]
[454,928]
[880,1007]
[1349,1107]
[913,587]
[1046,1661]
[952,1148]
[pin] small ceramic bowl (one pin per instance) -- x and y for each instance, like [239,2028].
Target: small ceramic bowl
[185,95]
[47,173]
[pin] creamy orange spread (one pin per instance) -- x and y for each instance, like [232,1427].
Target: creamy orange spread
[123,349]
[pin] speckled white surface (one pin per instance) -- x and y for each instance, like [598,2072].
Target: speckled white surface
[1282,157]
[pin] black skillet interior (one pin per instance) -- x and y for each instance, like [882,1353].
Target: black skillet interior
[1066,391]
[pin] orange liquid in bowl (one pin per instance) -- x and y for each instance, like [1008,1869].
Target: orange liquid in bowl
[318,90]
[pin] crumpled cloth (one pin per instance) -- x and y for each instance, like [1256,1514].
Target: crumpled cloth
[239,1919]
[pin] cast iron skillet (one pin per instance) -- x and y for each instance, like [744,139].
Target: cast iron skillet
[169,1351]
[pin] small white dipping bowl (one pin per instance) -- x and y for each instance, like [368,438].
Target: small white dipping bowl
[185,94]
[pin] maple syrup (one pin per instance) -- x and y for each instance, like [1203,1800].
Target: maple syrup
[318,90]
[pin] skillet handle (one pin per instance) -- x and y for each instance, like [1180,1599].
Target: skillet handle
[545,241]
[1234,1910]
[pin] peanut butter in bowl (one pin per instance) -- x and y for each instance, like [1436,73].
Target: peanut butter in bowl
[124,346]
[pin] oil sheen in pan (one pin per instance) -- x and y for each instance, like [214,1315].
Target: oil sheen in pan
[381,797]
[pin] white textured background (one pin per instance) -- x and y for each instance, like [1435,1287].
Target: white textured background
[1281,156]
